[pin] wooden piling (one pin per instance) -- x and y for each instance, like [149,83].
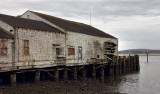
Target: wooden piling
[93,72]
[84,74]
[116,67]
[13,78]
[134,64]
[120,65]
[65,76]
[111,67]
[75,73]
[37,77]
[132,58]
[56,75]
[137,63]
[124,65]
[102,74]
[129,64]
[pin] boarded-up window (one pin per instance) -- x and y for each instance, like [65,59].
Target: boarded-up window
[71,51]
[4,49]
[26,47]
[59,51]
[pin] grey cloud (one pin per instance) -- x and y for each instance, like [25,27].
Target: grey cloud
[104,13]
[99,8]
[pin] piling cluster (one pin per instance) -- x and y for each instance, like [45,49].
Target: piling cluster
[113,66]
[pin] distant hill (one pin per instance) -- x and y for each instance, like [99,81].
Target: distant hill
[139,51]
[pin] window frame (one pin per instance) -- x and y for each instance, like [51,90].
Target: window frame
[26,47]
[3,48]
[80,52]
[59,51]
[71,51]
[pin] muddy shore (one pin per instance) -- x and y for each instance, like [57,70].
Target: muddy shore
[89,86]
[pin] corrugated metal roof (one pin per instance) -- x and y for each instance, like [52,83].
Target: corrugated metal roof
[74,26]
[27,23]
[5,34]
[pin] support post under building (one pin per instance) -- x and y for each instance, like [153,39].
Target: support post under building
[56,74]
[93,72]
[75,74]
[84,74]
[13,78]
[37,76]
[102,74]
[65,77]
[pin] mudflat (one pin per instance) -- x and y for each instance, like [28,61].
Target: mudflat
[89,86]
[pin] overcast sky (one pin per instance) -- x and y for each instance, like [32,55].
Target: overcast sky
[135,23]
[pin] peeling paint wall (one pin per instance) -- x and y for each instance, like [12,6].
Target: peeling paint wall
[91,45]
[43,44]
[8,58]
[40,44]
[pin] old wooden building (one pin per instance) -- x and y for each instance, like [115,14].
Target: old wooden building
[40,46]
[83,42]
[40,40]
[33,43]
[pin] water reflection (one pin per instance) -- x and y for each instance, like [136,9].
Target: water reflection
[144,82]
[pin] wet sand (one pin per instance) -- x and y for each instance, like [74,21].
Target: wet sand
[90,86]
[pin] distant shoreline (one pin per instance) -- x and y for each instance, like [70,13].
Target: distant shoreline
[120,54]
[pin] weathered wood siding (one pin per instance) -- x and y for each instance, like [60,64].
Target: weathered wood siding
[30,15]
[6,27]
[8,57]
[40,44]
[91,45]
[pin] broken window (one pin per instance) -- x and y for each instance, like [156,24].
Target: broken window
[71,51]
[59,51]
[26,47]
[3,48]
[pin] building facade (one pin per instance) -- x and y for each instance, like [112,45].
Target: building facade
[38,40]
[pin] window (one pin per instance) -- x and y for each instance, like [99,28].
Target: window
[71,51]
[59,51]
[26,47]
[3,48]
[28,16]
[97,56]
[79,51]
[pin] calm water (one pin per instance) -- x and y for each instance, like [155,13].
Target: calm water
[147,81]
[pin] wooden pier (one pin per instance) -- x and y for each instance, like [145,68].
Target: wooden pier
[96,70]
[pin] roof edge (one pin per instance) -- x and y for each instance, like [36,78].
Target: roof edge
[11,35]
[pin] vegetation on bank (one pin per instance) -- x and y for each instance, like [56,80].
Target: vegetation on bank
[140,51]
